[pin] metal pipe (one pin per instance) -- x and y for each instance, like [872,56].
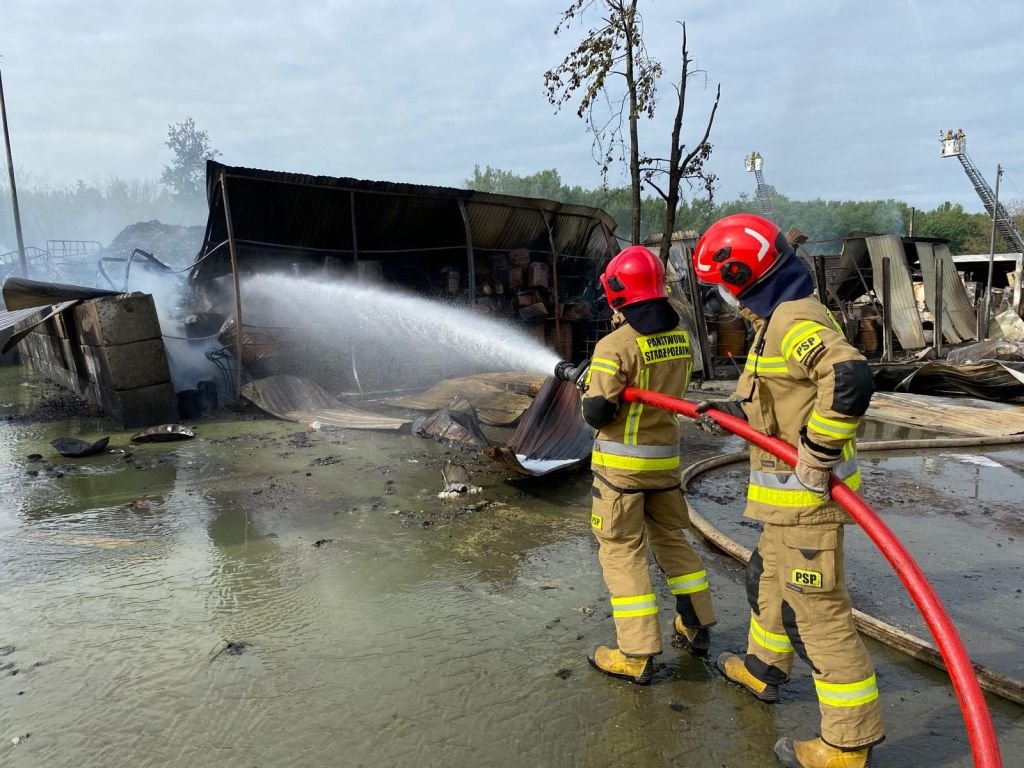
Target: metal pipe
[352,214]
[991,257]
[937,321]
[887,353]
[238,292]
[470,257]
[703,339]
[14,187]
[819,274]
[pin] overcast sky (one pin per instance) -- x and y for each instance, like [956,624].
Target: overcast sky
[843,98]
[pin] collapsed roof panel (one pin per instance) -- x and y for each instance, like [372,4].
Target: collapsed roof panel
[906,322]
[351,217]
[958,310]
[552,434]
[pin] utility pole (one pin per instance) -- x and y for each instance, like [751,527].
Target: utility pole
[14,189]
[991,257]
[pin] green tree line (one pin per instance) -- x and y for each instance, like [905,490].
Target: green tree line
[825,222]
[99,210]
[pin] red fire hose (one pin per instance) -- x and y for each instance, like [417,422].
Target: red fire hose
[980,730]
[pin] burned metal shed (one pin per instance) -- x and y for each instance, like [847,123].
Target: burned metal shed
[532,260]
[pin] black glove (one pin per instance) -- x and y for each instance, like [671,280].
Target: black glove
[706,424]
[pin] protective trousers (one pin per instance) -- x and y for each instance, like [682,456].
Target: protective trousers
[625,523]
[796,586]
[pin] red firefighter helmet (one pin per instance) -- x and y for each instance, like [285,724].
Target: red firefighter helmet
[739,251]
[635,274]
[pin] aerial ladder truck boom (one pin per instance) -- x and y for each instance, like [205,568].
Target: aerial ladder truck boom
[954,144]
[753,163]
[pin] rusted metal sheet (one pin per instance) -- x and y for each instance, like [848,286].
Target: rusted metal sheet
[959,416]
[678,276]
[499,399]
[926,256]
[164,433]
[72,447]
[294,399]
[959,310]
[456,425]
[989,380]
[552,435]
[906,322]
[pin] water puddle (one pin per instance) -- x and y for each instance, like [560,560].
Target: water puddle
[266,607]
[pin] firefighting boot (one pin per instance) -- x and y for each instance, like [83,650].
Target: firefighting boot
[696,641]
[612,661]
[735,671]
[817,754]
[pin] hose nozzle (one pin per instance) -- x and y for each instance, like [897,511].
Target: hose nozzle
[574,374]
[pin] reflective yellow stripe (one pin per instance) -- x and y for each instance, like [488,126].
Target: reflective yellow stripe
[604,366]
[766,366]
[689,583]
[841,430]
[637,605]
[798,333]
[801,497]
[847,694]
[601,459]
[643,451]
[636,411]
[770,640]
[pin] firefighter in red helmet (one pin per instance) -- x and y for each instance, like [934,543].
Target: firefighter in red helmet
[802,382]
[638,505]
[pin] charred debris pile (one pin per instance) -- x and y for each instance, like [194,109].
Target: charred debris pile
[907,303]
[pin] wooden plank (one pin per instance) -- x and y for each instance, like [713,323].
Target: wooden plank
[961,415]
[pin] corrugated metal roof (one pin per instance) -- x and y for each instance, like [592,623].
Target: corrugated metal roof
[294,399]
[552,435]
[958,314]
[989,380]
[906,322]
[274,213]
[29,318]
[11,318]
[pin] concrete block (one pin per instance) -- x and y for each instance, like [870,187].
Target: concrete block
[116,320]
[142,407]
[73,358]
[43,346]
[63,326]
[127,366]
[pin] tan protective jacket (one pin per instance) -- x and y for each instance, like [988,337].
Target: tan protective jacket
[801,372]
[639,448]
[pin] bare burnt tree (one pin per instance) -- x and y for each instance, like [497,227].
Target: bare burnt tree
[614,47]
[681,165]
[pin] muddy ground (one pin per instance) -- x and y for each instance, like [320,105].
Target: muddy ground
[267,595]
